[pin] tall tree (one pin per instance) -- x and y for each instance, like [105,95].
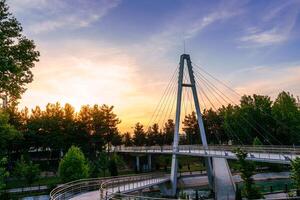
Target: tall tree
[213,126]
[287,116]
[17,55]
[168,132]
[139,135]
[154,136]
[191,129]
[8,133]
[127,140]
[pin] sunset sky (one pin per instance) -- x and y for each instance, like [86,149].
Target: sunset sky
[123,52]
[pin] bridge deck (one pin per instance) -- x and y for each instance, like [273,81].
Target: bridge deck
[274,155]
[122,188]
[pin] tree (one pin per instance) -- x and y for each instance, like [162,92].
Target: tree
[101,164]
[73,165]
[27,170]
[3,172]
[113,164]
[257,142]
[168,132]
[139,135]
[191,129]
[17,55]
[213,126]
[295,175]
[113,169]
[154,136]
[127,140]
[247,170]
[8,133]
[287,116]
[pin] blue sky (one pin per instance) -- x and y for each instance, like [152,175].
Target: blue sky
[122,52]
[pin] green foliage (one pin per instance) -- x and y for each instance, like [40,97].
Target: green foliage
[191,129]
[113,169]
[27,170]
[114,164]
[17,55]
[73,166]
[257,142]
[246,169]
[295,175]
[154,136]
[3,172]
[100,166]
[238,194]
[7,132]
[287,116]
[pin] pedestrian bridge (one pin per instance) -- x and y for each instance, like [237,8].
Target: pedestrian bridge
[268,154]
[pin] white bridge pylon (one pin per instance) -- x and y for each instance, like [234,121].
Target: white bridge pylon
[208,163]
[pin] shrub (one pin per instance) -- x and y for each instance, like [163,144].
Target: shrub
[73,165]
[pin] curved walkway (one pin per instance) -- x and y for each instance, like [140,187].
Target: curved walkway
[114,186]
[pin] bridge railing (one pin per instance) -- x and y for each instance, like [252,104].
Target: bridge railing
[270,152]
[259,148]
[135,197]
[115,187]
[73,188]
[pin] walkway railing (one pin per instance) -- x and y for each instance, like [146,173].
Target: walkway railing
[118,186]
[73,188]
[281,154]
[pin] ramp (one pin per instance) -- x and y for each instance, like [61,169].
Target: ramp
[224,186]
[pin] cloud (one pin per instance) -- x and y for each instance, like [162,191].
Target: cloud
[268,80]
[265,38]
[50,15]
[209,19]
[273,27]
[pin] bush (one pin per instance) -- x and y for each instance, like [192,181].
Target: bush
[27,170]
[73,166]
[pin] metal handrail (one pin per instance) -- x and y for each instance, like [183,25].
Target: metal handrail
[134,197]
[112,187]
[259,148]
[272,153]
[73,188]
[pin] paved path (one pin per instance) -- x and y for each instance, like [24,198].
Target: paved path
[190,182]
[126,188]
[224,184]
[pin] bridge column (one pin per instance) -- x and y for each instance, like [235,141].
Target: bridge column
[137,165]
[174,166]
[192,85]
[149,162]
[208,160]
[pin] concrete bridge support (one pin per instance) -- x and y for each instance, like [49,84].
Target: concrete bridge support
[137,165]
[224,185]
[149,162]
